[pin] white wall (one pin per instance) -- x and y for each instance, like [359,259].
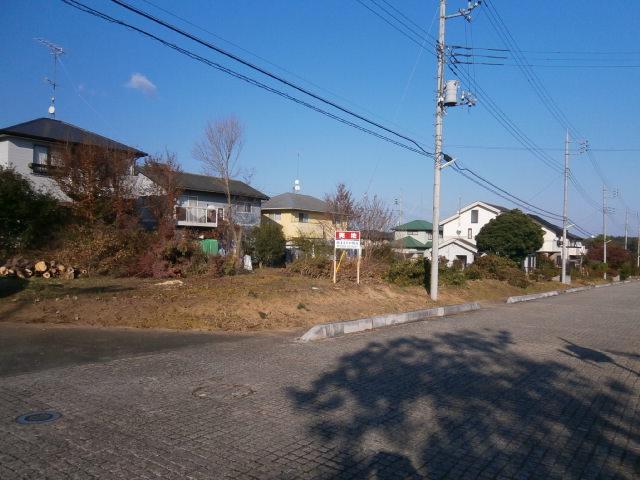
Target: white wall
[451,252]
[463,224]
[4,153]
[19,155]
[421,236]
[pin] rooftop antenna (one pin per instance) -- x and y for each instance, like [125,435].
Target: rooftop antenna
[55,51]
[296,183]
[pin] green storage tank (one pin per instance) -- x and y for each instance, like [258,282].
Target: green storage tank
[209,246]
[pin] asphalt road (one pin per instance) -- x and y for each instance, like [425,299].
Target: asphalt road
[547,389]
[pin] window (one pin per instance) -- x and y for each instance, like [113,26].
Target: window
[221,213]
[192,201]
[429,236]
[211,215]
[244,207]
[303,217]
[474,216]
[470,234]
[41,155]
[276,216]
[412,233]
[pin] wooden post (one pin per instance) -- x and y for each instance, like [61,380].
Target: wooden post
[335,253]
[358,268]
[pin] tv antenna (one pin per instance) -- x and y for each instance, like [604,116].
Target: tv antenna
[55,51]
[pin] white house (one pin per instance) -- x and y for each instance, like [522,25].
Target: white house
[28,148]
[460,230]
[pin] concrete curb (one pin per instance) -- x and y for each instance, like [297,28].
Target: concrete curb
[536,296]
[532,296]
[337,329]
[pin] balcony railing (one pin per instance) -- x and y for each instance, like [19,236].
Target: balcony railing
[246,219]
[41,168]
[196,216]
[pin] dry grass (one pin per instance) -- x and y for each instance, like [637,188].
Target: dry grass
[267,299]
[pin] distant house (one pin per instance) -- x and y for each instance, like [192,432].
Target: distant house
[413,238]
[302,216]
[29,149]
[461,228]
[203,200]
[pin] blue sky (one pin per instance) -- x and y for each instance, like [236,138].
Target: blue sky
[352,57]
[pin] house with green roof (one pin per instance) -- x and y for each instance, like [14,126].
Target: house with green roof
[414,237]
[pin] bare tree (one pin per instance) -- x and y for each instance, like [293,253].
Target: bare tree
[160,196]
[373,216]
[219,151]
[341,205]
[97,179]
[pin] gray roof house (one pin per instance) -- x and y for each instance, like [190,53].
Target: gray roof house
[296,201]
[27,148]
[203,200]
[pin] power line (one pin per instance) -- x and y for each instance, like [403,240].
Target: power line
[547,149]
[417,148]
[263,71]
[511,198]
[488,103]
[269,62]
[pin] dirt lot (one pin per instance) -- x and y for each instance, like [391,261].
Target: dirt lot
[267,299]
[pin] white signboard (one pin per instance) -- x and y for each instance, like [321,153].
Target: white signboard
[348,240]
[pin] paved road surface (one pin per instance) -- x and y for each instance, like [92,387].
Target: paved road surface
[548,389]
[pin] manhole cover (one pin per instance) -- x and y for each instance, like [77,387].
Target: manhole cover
[223,391]
[38,417]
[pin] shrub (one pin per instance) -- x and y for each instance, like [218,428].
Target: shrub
[269,244]
[451,276]
[497,268]
[407,272]
[312,247]
[625,271]
[28,218]
[512,234]
[545,269]
[315,267]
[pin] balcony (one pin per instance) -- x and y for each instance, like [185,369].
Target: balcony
[246,219]
[41,168]
[196,217]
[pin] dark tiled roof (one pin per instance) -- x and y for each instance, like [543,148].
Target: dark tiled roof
[206,183]
[296,201]
[554,228]
[57,131]
[545,223]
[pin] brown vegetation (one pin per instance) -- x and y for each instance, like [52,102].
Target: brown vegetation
[267,299]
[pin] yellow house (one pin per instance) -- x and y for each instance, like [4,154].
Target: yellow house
[301,216]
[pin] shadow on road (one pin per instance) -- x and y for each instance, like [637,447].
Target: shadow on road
[591,356]
[464,403]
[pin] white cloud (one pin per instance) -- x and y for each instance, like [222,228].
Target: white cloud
[142,83]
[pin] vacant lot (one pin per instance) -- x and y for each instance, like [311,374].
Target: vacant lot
[267,299]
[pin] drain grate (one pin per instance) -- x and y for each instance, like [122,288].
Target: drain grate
[35,418]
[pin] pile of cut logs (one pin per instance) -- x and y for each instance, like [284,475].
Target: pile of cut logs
[22,268]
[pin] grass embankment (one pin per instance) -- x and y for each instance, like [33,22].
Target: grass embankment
[267,299]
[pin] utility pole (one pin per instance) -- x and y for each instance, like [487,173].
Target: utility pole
[437,150]
[604,228]
[565,216]
[638,242]
[626,227]
[435,242]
